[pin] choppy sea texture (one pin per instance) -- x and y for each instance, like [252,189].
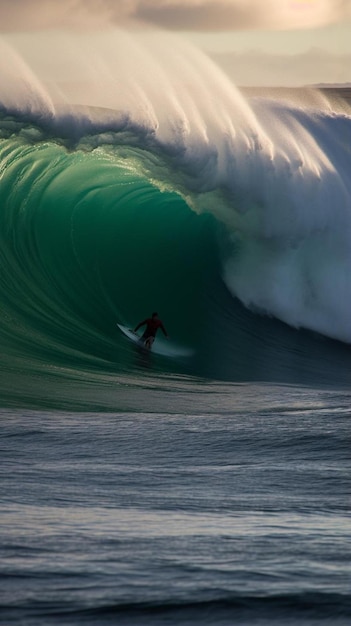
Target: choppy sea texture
[234,510]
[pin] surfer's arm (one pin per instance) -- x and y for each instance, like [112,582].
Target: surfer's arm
[164,330]
[139,325]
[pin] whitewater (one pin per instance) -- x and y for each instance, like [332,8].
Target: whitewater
[205,483]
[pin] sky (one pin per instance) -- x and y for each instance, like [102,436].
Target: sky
[257,42]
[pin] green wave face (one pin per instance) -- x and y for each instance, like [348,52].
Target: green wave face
[95,236]
[154,183]
[88,240]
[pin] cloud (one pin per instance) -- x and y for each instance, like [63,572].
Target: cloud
[196,15]
[216,15]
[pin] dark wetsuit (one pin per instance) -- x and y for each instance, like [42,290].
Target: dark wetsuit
[152,326]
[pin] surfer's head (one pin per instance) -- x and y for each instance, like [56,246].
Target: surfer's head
[155,314]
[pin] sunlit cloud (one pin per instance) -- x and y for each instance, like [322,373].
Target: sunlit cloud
[195,15]
[211,15]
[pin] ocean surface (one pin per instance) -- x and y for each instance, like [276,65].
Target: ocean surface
[206,482]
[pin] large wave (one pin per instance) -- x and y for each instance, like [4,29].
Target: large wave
[144,179]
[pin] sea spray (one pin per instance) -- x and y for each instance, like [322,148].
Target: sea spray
[292,258]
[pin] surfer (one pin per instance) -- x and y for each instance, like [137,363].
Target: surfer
[152,323]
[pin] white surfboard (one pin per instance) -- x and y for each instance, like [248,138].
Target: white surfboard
[159,346]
